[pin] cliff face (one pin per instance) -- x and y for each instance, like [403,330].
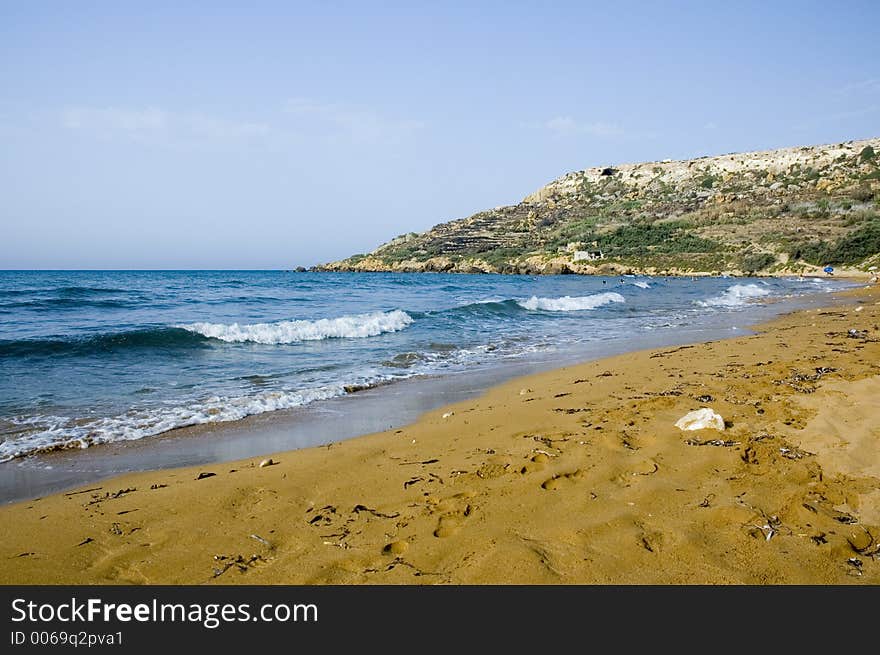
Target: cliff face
[786,211]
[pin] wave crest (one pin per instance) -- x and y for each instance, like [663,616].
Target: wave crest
[735,296]
[571,303]
[351,327]
[112,342]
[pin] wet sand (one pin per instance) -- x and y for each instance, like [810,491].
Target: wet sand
[576,475]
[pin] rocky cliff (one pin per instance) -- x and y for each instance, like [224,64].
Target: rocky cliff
[787,211]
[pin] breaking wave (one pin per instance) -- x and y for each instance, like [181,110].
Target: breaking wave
[351,327]
[570,303]
[735,296]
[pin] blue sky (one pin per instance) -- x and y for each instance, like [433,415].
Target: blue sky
[270,135]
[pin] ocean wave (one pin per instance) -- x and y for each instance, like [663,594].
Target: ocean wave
[146,338]
[13,293]
[49,304]
[641,285]
[50,433]
[497,307]
[69,291]
[571,303]
[811,280]
[284,332]
[60,296]
[86,291]
[735,296]
[438,357]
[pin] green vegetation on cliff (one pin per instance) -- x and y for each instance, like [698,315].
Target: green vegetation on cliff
[773,212]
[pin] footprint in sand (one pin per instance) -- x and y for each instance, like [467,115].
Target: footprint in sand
[454,511]
[634,471]
[646,467]
[651,540]
[558,480]
[536,463]
[447,526]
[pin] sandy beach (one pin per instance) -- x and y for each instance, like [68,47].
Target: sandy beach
[575,476]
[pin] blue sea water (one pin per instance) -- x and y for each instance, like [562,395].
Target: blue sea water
[97,357]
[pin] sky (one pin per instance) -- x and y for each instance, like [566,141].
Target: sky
[269,135]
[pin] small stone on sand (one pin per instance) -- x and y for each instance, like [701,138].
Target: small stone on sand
[860,539]
[396,547]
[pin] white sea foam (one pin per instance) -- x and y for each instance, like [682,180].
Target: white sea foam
[426,363]
[570,303]
[58,432]
[641,285]
[46,433]
[352,327]
[735,296]
[822,284]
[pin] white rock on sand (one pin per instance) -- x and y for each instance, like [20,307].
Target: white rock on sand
[700,419]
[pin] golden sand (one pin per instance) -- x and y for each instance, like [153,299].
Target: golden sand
[573,476]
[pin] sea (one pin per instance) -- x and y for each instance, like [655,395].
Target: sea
[99,357]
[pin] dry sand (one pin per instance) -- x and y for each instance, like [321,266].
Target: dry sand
[573,476]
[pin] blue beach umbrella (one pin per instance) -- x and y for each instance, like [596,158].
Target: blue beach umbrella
[829,269]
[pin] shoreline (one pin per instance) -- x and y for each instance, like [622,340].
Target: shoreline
[573,475]
[374,409]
